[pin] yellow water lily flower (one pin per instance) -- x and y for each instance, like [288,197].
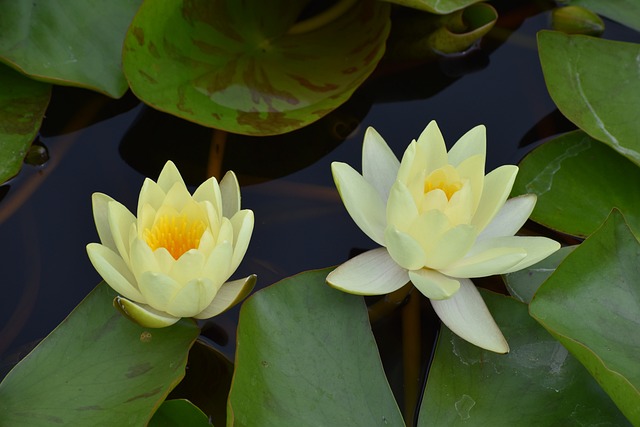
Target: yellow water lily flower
[174,259]
[440,221]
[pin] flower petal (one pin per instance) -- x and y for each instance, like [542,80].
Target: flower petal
[169,176]
[194,297]
[432,284]
[230,191]
[485,260]
[209,191]
[537,248]
[472,169]
[143,314]
[230,294]
[177,197]
[217,265]
[188,267]
[114,271]
[472,143]
[510,218]
[379,164]
[362,201]
[466,314]
[371,273]
[452,246]
[401,208]
[100,208]
[404,249]
[496,189]
[142,258]
[158,289]
[242,223]
[120,220]
[431,152]
[150,194]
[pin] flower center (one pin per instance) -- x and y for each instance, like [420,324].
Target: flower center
[446,179]
[175,233]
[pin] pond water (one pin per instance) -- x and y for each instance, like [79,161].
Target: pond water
[97,144]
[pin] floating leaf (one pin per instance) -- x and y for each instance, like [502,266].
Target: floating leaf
[595,84]
[306,357]
[538,383]
[626,12]
[96,368]
[576,20]
[440,7]
[179,413]
[523,284]
[578,181]
[591,304]
[75,43]
[247,67]
[22,106]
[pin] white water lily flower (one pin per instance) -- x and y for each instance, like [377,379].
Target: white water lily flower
[440,221]
[175,258]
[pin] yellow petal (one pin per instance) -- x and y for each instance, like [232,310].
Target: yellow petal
[431,151]
[451,246]
[242,223]
[158,289]
[379,164]
[428,228]
[142,258]
[177,197]
[230,191]
[120,220]
[466,314]
[473,143]
[217,266]
[230,294]
[472,169]
[188,267]
[100,204]
[370,273]
[537,249]
[143,314]
[460,208]
[362,201]
[207,243]
[225,233]
[209,191]
[192,298]
[497,186]
[434,200]
[114,271]
[433,284]
[164,259]
[510,218]
[401,207]
[404,249]
[151,194]
[169,176]
[486,262]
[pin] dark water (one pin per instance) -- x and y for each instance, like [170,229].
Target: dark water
[45,214]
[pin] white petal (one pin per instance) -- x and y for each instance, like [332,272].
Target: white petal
[404,249]
[470,144]
[114,271]
[466,314]
[120,220]
[230,294]
[432,284]
[209,191]
[143,314]
[510,218]
[431,151]
[379,164]
[169,176]
[370,273]
[192,298]
[538,248]
[401,210]
[177,197]
[486,262]
[451,246]
[100,208]
[230,192]
[188,267]
[496,189]
[362,201]
[142,258]
[158,289]
[217,267]
[151,194]
[242,223]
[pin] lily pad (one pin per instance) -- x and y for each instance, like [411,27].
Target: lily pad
[626,12]
[22,106]
[591,304]
[594,83]
[96,368]
[306,357]
[439,7]
[179,413]
[249,67]
[578,181]
[538,383]
[73,43]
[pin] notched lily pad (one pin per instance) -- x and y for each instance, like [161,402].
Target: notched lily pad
[247,67]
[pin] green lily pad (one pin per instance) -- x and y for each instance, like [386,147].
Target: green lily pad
[73,43]
[439,7]
[22,106]
[96,368]
[523,284]
[306,357]
[248,67]
[538,383]
[626,12]
[594,83]
[591,304]
[179,413]
[578,181]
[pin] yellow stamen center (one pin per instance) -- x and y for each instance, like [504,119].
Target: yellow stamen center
[446,179]
[175,233]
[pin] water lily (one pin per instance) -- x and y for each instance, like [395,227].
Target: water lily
[440,221]
[174,259]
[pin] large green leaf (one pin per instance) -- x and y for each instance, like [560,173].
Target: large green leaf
[247,67]
[537,384]
[595,84]
[179,413]
[22,105]
[591,304]
[96,368]
[626,12]
[306,357]
[578,181]
[75,43]
[440,7]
